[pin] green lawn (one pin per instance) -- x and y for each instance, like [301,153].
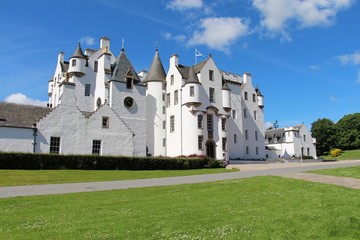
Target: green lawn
[346,155]
[30,177]
[351,172]
[254,208]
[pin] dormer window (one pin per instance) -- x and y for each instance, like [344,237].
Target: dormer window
[129,83]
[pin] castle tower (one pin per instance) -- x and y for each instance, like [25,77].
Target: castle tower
[155,107]
[226,97]
[260,98]
[191,95]
[77,63]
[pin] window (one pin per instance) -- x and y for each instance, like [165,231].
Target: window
[257,150]
[245,113]
[255,115]
[105,122]
[235,138]
[247,150]
[200,142]
[209,122]
[172,123]
[223,142]
[223,124]
[256,135]
[163,97]
[54,145]
[168,100]
[163,110]
[200,121]
[95,66]
[96,147]
[172,79]
[246,135]
[246,95]
[98,103]
[129,83]
[308,151]
[87,90]
[234,114]
[176,97]
[304,138]
[254,97]
[164,124]
[164,142]
[192,92]
[211,75]
[211,95]
[73,63]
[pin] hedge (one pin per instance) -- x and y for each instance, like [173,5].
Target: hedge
[30,161]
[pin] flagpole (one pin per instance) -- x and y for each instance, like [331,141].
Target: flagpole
[195,56]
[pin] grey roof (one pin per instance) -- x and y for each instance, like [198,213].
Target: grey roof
[192,77]
[184,70]
[64,66]
[78,53]
[225,86]
[273,134]
[123,69]
[258,92]
[22,116]
[157,71]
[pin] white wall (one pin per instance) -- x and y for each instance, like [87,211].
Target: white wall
[16,139]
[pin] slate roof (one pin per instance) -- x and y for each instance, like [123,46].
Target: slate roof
[225,86]
[123,68]
[21,116]
[258,92]
[184,70]
[192,77]
[78,53]
[278,133]
[157,71]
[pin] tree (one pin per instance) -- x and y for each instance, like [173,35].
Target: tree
[276,124]
[348,131]
[324,130]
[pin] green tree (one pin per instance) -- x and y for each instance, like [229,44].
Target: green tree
[324,130]
[348,131]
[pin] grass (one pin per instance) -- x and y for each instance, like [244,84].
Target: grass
[254,208]
[346,155]
[31,177]
[351,172]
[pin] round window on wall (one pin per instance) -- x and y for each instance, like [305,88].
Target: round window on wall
[129,102]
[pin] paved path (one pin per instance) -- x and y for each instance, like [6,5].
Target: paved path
[248,170]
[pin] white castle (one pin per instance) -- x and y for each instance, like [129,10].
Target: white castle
[99,104]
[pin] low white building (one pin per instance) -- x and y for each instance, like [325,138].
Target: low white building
[99,104]
[290,142]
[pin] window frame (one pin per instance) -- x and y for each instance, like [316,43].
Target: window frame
[55,143]
[96,147]
[87,90]
[172,123]
[105,122]
[211,95]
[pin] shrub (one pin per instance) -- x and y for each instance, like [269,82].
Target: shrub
[335,152]
[32,161]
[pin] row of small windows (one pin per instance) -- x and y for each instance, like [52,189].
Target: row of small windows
[247,135]
[211,77]
[255,114]
[201,143]
[253,96]
[55,146]
[74,62]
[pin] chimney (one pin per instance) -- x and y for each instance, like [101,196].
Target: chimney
[61,57]
[105,42]
[174,60]
[247,78]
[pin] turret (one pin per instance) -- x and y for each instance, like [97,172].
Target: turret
[77,63]
[260,97]
[191,93]
[226,97]
[156,72]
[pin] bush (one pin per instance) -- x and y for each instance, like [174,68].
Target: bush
[32,161]
[335,152]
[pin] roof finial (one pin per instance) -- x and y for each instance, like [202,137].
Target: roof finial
[156,45]
[123,45]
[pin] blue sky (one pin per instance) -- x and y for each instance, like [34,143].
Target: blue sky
[304,55]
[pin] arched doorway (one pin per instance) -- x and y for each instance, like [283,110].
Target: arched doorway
[210,148]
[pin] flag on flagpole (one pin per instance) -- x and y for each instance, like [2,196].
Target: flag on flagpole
[198,54]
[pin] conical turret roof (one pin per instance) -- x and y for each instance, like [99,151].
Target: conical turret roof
[192,78]
[225,86]
[257,90]
[123,69]
[157,71]
[78,53]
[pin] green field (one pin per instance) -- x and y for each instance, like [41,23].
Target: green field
[254,208]
[351,172]
[31,177]
[346,155]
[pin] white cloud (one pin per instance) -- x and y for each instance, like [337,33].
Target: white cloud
[315,67]
[352,58]
[178,37]
[23,99]
[219,33]
[333,98]
[276,14]
[268,125]
[182,5]
[87,40]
